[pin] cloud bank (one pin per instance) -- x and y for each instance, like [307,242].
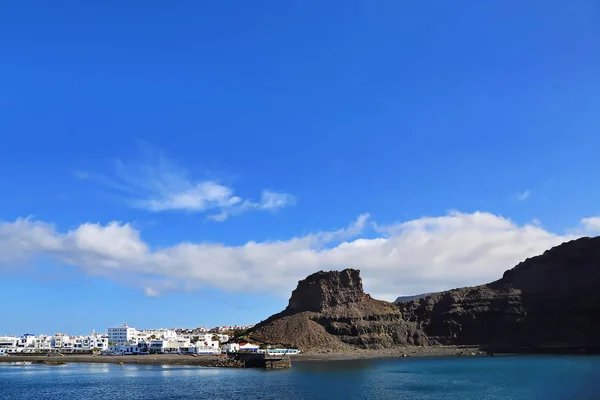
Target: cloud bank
[422,255]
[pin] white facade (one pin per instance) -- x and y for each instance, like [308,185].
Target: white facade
[122,335]
[8,341]
[90,343]
[123,339]
[230,347]
[157,346]
[57,343]
[27,340]
[43,343]
[203,337]
[126,349]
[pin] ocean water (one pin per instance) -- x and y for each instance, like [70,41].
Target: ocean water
[477,378]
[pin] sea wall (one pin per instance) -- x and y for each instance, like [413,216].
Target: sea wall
[163,359]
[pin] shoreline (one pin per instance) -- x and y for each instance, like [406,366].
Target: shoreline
[223,361]
[400,352]
[157,359]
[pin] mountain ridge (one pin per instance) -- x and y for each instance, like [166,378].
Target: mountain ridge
[552,299]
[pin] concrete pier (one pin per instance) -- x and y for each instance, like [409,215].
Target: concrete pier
[262,360]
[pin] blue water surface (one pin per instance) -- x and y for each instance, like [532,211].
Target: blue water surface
[477,378]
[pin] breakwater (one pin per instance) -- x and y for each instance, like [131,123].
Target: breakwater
[262,360]
[221,361]
[232,360]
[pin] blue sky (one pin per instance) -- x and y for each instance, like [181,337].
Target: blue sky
[185,164]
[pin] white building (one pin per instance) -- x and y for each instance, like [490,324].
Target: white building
[127,349]
[43,343]
[8,341]
[27,340]
[89,343]
[235,347]
[98,341]
[62,342]
[201,348]
[157,346]
[204,337]
[154,334]
[230,347]
[122,335]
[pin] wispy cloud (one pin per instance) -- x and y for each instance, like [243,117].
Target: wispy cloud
[523,195]
[162,186]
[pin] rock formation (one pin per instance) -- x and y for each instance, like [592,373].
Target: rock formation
[329,310]
[403,299]
[552,300]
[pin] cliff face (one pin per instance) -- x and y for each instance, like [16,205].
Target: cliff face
[545,301]
[329,310]
[403,299]
[549,300]
[323,291]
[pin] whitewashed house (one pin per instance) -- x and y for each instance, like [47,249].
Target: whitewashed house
[157,346]
[43,343]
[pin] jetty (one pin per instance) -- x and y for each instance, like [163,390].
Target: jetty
[262,360]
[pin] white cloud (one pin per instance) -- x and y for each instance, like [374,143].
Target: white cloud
[589,226]
[422,255]
[159,186]
[523,195]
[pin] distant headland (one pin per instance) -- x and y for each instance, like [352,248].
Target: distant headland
[547,303]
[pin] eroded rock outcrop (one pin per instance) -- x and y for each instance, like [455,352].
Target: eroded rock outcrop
[552,300]
[329,310]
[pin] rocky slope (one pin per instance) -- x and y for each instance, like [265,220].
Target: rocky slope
[549,300]
[329,310]
[545,301]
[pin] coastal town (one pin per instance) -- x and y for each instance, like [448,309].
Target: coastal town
[127,340]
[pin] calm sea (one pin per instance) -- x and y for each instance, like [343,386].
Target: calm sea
[540,377]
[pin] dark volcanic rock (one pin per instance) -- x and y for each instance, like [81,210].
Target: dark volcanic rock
[325,290]
[552,300]
[548,301]
[403,299]
[329,310]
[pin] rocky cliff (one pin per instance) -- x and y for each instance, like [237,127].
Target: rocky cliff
[545,301]
[329,310]
[549,300]
[403,299]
